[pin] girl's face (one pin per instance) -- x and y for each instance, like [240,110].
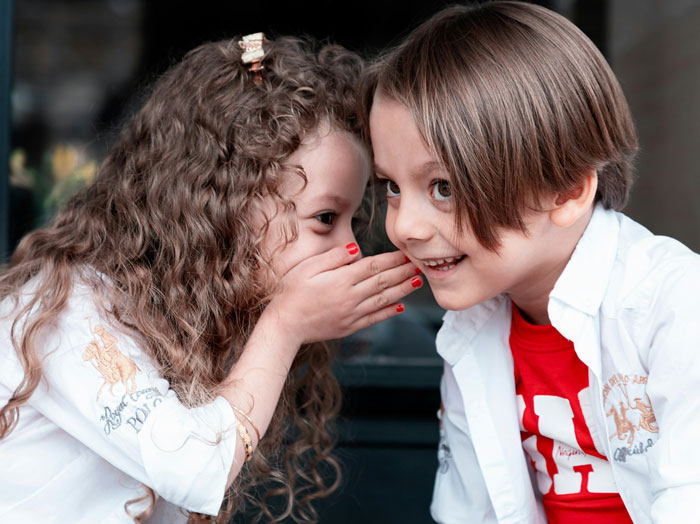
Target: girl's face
[420,221]
[337,169]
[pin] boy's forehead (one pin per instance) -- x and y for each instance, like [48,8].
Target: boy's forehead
[396,140]
[428,168]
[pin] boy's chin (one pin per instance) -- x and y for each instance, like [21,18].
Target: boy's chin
[453,301]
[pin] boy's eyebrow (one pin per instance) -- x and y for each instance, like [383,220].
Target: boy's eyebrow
[425,168]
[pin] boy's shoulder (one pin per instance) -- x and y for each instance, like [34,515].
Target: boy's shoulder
[650,268]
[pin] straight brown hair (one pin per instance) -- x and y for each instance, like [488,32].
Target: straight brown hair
[516,102]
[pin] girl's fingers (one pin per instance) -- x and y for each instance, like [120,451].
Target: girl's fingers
[332,259]
[389,278]
[380,315]
[380,300]
[373,266]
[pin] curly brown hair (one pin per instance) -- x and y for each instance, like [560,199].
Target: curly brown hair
[169,221]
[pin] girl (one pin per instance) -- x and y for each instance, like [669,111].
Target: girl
[161,332]
[505,145]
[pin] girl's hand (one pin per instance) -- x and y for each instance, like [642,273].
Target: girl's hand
[334,294]
[323,297]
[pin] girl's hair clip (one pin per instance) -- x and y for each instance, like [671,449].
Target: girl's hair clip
[253,53]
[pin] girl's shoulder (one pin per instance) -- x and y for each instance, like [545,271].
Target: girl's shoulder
[83,324]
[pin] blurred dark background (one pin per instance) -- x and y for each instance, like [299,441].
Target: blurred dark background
[71,71]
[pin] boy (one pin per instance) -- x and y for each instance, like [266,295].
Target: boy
[505,144]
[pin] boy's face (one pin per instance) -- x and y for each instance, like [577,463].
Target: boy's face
[421,222]
[337,169]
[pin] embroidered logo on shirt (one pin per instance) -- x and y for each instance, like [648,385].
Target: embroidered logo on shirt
[444,453]
[113,365]
[634,420]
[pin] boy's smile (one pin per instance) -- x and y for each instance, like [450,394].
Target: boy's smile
[420,221]
[442,264]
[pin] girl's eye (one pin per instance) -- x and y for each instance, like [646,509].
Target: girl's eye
[327,218]
[392,189]
[441,190]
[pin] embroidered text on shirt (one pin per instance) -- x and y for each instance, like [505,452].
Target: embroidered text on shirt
[138,404]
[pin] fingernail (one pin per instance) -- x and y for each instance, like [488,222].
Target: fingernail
[416,281]
[407,259]
[399,308]
[418,271]
[352,248]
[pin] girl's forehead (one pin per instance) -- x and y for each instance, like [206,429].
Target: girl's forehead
[327,140]
[330,160]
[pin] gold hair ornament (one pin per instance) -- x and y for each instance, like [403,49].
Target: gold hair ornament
[253,53]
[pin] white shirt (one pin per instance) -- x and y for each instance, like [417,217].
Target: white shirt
[630,302]
[102,424]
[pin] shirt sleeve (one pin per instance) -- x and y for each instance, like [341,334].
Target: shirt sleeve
[100,387]
[673,361]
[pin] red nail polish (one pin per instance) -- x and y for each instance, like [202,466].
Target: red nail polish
[352,248]
[399,308]
[418,271]
[416,281]
[407,259]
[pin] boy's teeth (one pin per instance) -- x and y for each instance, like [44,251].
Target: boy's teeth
[440,261]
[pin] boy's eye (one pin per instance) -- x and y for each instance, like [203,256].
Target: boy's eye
[441,190]
[392,188]
[327,218]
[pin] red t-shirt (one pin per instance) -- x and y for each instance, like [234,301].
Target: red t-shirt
[551,384]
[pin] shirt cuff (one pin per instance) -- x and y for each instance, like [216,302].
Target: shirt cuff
[188,453]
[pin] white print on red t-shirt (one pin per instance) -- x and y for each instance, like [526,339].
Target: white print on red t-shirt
[576,471]
[630,416]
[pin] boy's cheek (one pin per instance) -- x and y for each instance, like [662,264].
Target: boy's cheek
[389,227]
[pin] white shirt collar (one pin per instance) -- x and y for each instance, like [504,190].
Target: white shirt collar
[461,327]
[585,278]
[580,287]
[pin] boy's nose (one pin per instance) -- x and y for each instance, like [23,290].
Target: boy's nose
[410,223]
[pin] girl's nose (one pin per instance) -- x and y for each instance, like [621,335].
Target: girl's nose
[345,236]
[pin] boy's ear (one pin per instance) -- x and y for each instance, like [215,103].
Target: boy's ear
[570,206]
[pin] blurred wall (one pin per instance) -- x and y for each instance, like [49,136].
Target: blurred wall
[654,48]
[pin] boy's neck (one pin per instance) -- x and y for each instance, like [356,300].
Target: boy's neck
[535,313]
[534,302]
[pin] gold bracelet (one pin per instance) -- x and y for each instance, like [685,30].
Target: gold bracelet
[244,415]
[245,437]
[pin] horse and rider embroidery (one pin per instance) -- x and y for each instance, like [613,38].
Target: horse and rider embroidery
[115,367]
[623,425]
[630,418]
[647,418]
